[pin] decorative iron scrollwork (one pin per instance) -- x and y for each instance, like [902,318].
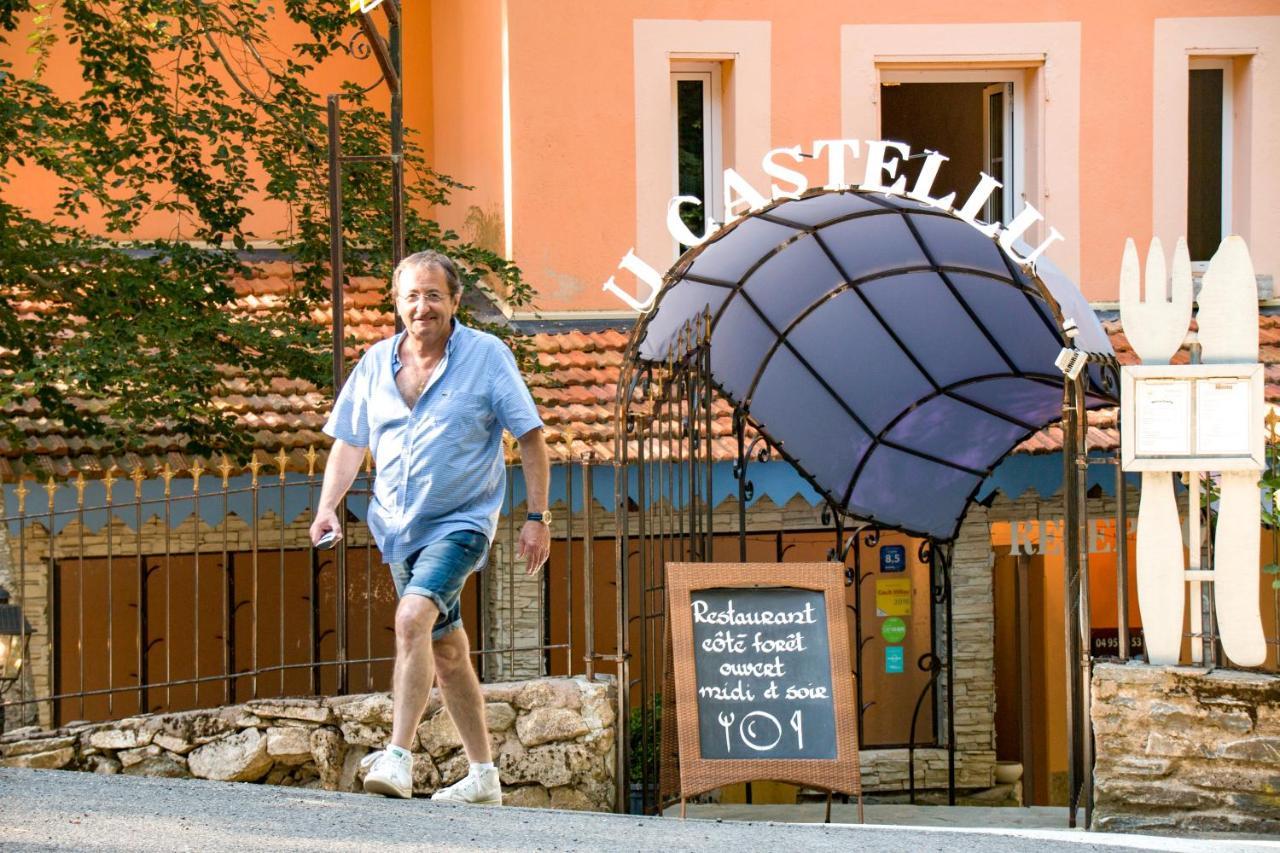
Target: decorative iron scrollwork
[871,538]
[942,582]
[925,552]
[929,662]
[358,46]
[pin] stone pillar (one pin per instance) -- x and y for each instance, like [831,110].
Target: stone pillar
[1181,749]
[29,589]
[973,611]
[514,609]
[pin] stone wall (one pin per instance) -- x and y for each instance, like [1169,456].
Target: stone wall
[973,611]
[553,741]
[1181,749]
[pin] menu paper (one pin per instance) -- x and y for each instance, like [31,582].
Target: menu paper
[1163,416]
[1222,422]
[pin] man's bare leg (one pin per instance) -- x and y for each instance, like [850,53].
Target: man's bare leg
[461,690]
[415,662]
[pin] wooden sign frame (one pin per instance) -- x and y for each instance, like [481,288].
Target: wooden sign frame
[1132,376]
[699,775]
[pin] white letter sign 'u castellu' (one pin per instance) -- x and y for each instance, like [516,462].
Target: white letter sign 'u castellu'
[1199,418]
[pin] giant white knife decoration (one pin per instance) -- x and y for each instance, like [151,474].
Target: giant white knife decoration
[1228,320]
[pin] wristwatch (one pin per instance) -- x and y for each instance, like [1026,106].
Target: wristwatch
[544,517]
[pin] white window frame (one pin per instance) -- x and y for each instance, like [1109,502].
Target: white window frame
[709,74]
[1015,131]
[1006,91]
[1227,66]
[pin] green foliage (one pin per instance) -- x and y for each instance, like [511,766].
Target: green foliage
[188,109]
[1273,569]
[645,741]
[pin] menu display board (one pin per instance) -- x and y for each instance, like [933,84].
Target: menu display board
[1191,417]
[763,684]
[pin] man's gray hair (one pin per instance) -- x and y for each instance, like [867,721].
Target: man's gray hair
[422,260]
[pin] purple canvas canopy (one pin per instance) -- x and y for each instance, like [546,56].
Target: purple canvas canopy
[892,352]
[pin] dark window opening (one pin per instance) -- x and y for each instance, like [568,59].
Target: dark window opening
[691,151]
[1204,162]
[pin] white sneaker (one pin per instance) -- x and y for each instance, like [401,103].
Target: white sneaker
[483,788]
[387,774]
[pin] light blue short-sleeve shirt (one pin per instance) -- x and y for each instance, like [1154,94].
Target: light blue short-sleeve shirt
[439,466]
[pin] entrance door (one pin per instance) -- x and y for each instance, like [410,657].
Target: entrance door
[972,117]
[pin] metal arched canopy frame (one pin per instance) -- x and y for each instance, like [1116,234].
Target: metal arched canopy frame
[888,350]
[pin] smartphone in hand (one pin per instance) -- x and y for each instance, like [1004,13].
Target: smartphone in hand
[327,541]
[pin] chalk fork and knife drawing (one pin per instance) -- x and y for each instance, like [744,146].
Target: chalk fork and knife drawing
[727,718]
[1155,311]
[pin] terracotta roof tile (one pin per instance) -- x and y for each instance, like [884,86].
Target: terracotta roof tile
[575,389]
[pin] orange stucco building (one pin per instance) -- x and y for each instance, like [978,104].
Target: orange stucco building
[563,117]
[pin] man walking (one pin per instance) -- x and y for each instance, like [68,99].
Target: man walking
[432,403]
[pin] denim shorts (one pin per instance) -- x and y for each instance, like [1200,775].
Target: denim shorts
[439,571]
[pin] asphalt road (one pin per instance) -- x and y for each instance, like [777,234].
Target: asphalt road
[57,810]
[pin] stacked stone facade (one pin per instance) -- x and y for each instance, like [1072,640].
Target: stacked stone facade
[1183,749]
[973,613]
[553,741]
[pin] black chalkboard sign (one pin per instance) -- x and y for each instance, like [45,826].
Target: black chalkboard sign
[761,675]
[763,664]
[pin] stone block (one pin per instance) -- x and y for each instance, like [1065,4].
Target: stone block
[130,757]
[499,716]
[328,750]
[350,776]
[454,768]
[551,766]
[502,691]
[571,798]
[310,710]
[119,738]
[372,709]
[1264,750]
[157,763]
[103,765]
[361,734]
[233,758]
[1174,745]
[439,735]
[548,693]
[426,778]
[526,796]
[1145,768]
[547,725]
[54,759]
[289,745]
[1140,796]
[41,744]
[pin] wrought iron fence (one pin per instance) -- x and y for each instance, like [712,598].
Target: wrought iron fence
[199,587]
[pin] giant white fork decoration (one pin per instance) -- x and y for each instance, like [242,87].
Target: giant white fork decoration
[1155,322]
[1228,319]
